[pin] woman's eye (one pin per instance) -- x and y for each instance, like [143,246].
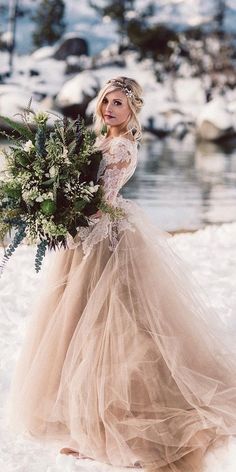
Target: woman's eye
[104,100]
[117,102]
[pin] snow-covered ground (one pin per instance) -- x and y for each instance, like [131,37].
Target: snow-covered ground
[211,255]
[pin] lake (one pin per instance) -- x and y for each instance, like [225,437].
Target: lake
[184,186]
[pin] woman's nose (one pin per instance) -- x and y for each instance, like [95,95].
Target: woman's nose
[108,107]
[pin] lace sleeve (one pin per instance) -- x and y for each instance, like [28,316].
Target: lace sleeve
[116,169]
[118,164]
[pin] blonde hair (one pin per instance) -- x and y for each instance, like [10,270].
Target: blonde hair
[133,92]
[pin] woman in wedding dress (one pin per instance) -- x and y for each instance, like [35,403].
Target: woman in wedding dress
[123,361]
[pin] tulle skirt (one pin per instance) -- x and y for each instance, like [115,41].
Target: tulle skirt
[123,361]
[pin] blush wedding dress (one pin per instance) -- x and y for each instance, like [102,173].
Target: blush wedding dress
[123,360]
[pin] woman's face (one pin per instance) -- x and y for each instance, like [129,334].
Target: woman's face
[115,108]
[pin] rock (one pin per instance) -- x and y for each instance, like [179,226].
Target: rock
[33,73]
[76,94]
[70,45]
[75,64]
[215,122]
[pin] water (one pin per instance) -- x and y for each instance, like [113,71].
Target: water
[184,186]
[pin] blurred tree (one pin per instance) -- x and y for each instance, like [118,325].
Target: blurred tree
[219,17]
[49,19]
[118,11]
[136,28]
[13,11]
[155,41]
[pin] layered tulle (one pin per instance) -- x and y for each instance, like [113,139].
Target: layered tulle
[123,361]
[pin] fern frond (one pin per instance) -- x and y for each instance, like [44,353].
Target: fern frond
[21,129]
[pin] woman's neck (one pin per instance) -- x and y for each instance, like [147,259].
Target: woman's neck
[115,131]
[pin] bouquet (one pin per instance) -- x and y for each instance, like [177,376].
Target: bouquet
[49,187]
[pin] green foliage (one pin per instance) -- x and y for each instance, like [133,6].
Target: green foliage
[140,33]
[18,238]
[22,130]
[118,11]
[40,141]
[112,211]
[153,41]
[50,187]
[40,254]
[49,20]
[220,12]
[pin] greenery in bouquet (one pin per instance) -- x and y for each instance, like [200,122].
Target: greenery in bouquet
[49,187]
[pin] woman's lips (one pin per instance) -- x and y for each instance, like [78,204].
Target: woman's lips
[109,116]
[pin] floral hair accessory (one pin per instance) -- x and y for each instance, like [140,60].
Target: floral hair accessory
[126,89]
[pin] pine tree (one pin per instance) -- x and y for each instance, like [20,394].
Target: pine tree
[116,10]
[49,19]
[220,11]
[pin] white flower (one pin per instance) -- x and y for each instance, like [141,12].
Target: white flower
[52,171]
[93,188]
[64,152]
[28,146]
[39,199]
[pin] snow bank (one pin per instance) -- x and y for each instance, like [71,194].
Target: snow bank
[74,90]
[217,112]
[189,90]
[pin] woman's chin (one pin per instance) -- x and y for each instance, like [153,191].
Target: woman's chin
[111,121]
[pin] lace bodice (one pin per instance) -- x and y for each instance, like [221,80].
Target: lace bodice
[116,167]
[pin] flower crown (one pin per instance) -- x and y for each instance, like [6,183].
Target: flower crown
[126,89]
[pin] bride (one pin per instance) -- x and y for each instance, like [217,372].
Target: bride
[123,362]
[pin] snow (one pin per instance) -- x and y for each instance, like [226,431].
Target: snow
[211,257]
[189,90]
[15,102]
[74,90]
[170,103]
[43,53]
[217,112]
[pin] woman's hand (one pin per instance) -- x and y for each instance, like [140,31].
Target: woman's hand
[98,214]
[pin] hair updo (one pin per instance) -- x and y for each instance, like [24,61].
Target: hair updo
[133,92]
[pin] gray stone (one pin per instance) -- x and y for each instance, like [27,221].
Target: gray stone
[70,46]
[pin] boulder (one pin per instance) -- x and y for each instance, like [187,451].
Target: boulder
[76,94]
[215,122]
[70,45]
